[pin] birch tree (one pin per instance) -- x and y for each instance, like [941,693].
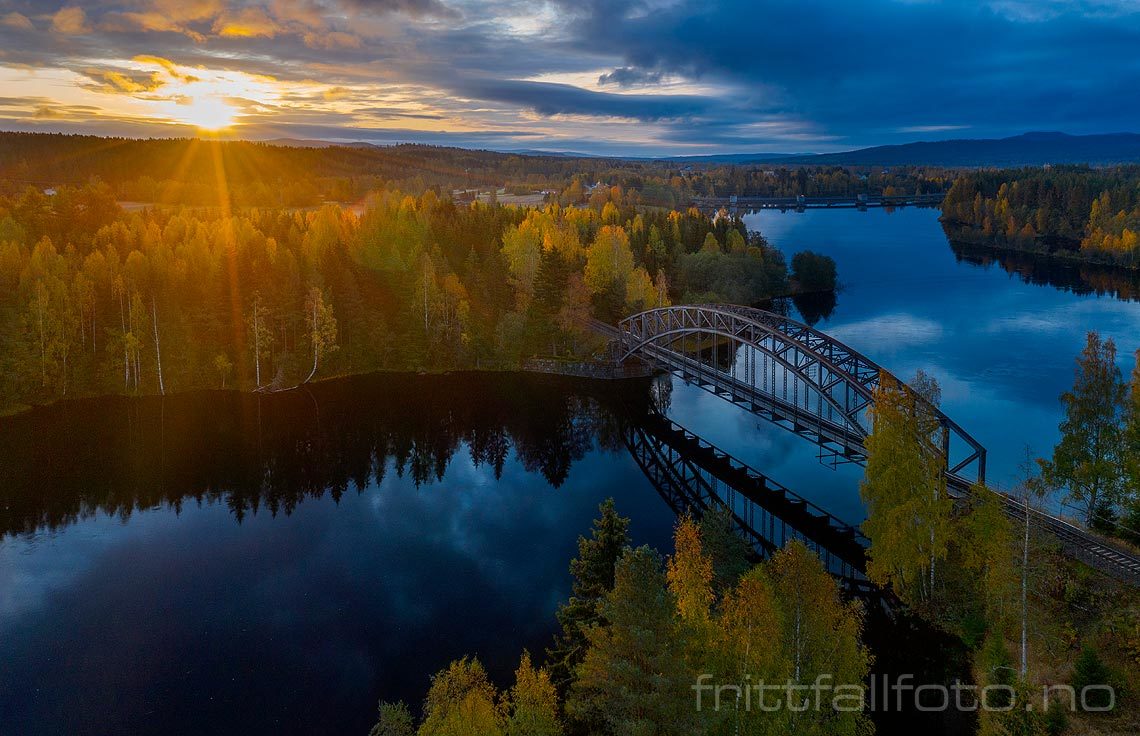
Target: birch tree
[321,323]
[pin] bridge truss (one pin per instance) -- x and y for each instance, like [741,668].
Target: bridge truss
[787,372]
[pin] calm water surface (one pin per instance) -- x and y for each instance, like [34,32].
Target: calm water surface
[218,563]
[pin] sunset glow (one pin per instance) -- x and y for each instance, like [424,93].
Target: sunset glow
[644,77]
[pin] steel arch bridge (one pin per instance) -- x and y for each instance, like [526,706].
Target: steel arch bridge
[788,372]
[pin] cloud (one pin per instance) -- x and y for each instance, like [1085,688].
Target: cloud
[628,77]
[644,76]
[332,40]
[70,21]
[249,22]
[415,8]
[18,21]
[167,65]
[887,333]
[120,82]
[548,98]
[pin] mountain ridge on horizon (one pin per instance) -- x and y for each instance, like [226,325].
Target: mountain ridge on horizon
[1034,148]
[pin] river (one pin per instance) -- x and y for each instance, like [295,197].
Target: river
[217,563]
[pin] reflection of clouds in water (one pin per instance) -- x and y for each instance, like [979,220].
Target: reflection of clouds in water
[343,599]
[1047,321]
[1112,318]
[887,333]
[33,568]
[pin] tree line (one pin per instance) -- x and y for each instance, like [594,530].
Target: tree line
[97,300]
[251,174]
[1088,213]
[639,632]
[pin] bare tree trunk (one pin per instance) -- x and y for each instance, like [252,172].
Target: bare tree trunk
[314,371]
[157,348]
[256,347]
[43,341]
[126,359]
[1025,592]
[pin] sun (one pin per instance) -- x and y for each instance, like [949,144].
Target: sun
[206,112]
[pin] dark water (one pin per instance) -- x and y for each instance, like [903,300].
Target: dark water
[219,563]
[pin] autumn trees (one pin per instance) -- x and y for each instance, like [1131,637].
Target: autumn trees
[1097,460]
[908,508]
[147,300]
[1095,212]
[1090,461]
[666,650]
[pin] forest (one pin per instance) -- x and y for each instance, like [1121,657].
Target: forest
[1073,211]
[244,173]
[95,299]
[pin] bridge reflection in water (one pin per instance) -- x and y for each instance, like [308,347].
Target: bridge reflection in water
[694,476]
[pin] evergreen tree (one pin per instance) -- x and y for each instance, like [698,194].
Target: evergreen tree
[1090,670]
[633,680]
[1089,459]
[1132,451]
[550,282]
[393,719]
[593,572]
[727,550]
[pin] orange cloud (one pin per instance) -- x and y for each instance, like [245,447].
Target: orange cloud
[169,66]
[70,21]
[251,22]
[18,20]
[332,40]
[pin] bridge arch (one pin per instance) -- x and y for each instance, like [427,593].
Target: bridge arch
[841,381]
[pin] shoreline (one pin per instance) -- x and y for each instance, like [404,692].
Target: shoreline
[964,233]
[584,370]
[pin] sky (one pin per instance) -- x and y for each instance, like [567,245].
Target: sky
[637,77]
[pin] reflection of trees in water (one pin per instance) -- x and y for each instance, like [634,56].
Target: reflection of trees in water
[1043,270]
[252,452]
[815,306]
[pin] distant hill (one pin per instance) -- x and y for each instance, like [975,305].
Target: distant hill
[738,158]
[1028,149]
[307,143]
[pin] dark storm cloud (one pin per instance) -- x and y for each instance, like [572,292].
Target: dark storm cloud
[863,69]
[547,98]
